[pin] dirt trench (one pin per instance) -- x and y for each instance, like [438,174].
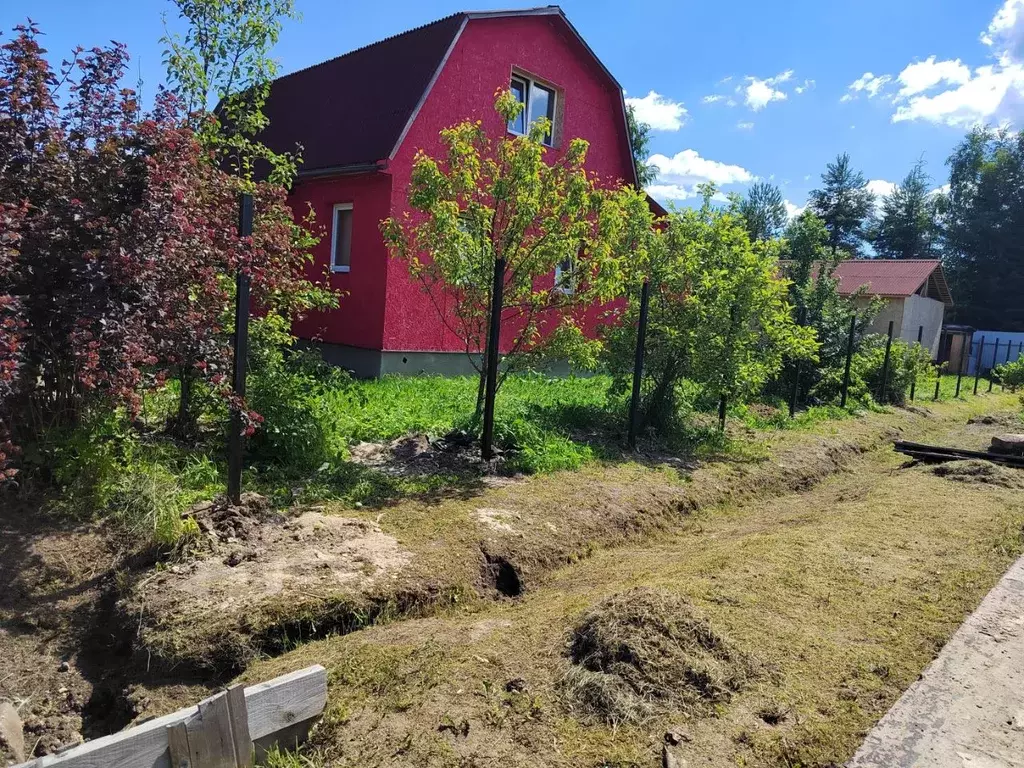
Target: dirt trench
[105,639]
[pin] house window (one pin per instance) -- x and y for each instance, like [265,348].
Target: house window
[538,101]
[341,238]
[565,276]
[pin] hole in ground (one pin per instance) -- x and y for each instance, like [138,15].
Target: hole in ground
[504,577]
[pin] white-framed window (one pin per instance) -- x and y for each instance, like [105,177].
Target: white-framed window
[341,238]
[538,101]
[565,276]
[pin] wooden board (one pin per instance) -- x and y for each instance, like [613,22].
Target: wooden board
[272,706]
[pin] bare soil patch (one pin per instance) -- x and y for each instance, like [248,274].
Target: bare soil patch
[258,568]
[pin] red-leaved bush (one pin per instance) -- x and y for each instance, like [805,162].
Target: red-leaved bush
[118,244]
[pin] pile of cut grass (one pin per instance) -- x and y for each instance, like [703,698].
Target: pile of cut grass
[645,651]
[981,472]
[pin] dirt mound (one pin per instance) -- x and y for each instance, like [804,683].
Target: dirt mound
[256,575]
[982,472]
[225,524]
[1008,419]
[418,454]
[643,651]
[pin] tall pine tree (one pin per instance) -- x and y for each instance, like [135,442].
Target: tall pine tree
[844,203]
[984,230]
[764,211]
[908,228]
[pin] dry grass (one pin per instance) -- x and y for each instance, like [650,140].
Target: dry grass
[844,590]
[981,471]
[646,651]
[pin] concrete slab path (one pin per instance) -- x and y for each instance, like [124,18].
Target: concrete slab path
[967,709]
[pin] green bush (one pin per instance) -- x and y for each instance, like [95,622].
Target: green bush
[906,362]
[292,395]
[1010,374]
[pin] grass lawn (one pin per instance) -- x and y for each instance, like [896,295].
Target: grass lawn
[837,596]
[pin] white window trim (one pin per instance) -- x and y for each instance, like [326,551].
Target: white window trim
[334,236]
[567,287]
[527,118]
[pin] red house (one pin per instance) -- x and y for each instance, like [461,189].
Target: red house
[360,119]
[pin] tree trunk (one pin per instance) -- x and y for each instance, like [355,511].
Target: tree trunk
[183,425]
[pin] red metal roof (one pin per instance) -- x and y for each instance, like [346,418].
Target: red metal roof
[352,112]
[892,277]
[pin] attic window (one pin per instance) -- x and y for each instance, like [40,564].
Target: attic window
[341,238]
[538,101]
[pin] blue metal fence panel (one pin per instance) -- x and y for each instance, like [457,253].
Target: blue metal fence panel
[990,356]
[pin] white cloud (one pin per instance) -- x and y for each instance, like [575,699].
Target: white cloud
[793,210]
[808,85]
[659,112]
[678,192]
[943,190]
[689,168]
[993,93]
[713,98]
[867,83]
[881,187]
[949,92]
[1005,33]
[745,125]
[924,75]
[760,93]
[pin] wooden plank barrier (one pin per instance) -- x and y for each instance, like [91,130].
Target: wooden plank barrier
[217,733]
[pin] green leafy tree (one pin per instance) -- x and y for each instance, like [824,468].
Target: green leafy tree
[907,227]
[639,142]
[223,60]
[983,218]
[764,211]
[487,200]
[811,266]
[220,70]
[719,313]
[845,204]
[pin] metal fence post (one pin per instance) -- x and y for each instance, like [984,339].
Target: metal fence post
[995,354]
[638,362]
[493,345]
[722,403]
[913,381]
[794,392]
[938,380]
[885,367]
[964,355]
[236,445]
[977,365]
[849,359]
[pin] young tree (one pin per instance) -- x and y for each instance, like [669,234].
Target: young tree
[223,61]
[639,142]
[845,204]
[719,314]
[984,229]
[764,211]
[486,201]
[907,228]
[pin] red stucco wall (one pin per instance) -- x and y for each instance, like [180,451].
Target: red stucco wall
[386,309]
[481,62]
[359,319]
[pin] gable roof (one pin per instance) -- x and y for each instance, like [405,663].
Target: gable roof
[893,278]
[352,112]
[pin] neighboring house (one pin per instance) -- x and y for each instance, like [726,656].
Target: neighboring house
[362,117]
[915,291]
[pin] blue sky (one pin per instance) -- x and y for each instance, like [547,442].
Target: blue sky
[742,90]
